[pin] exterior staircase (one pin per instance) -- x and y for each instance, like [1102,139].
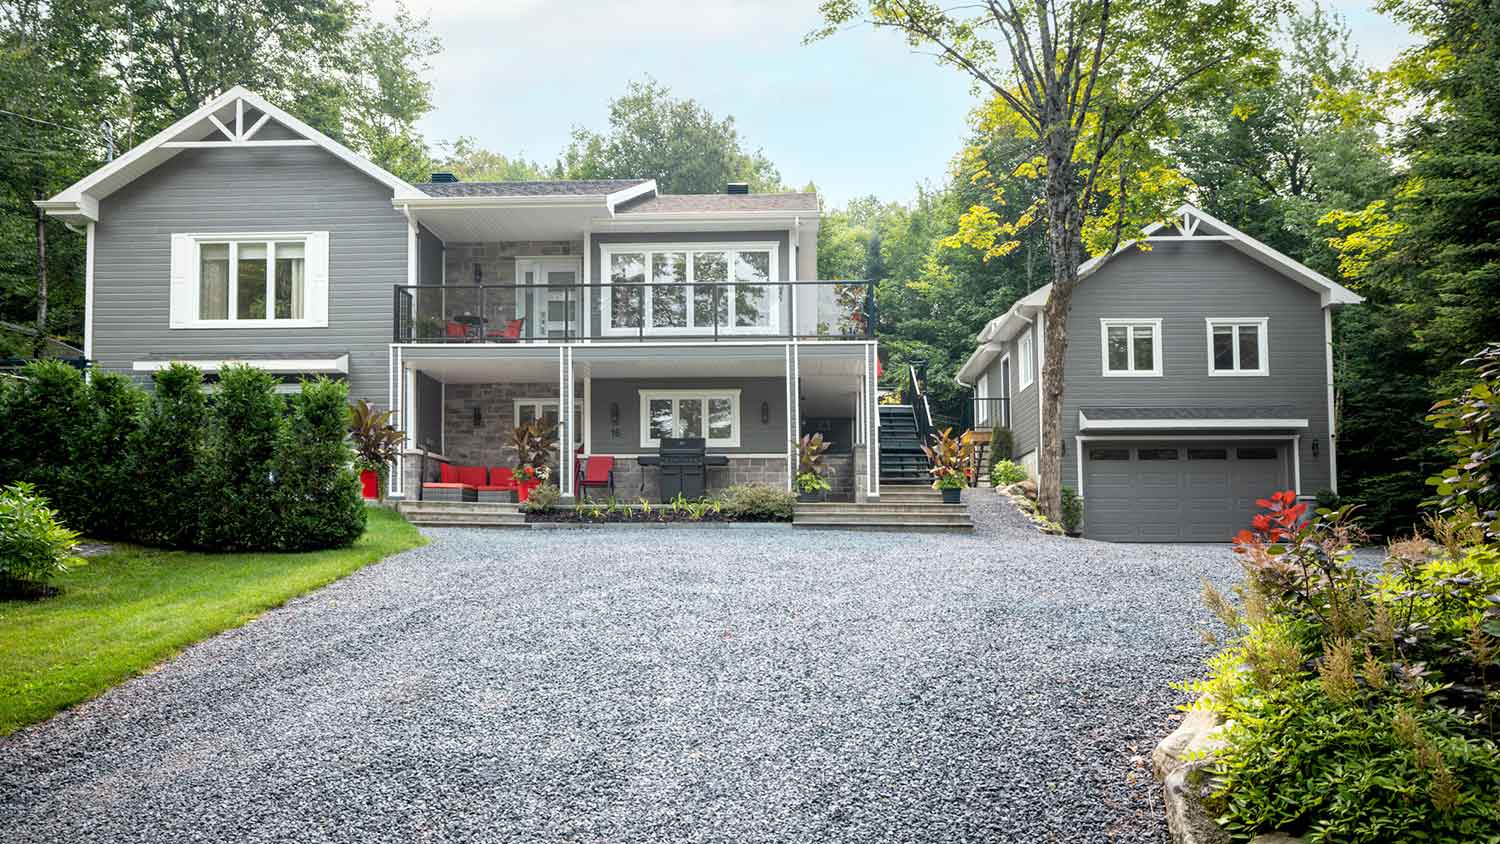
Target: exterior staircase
[462,514]
[902,461]
[915,509]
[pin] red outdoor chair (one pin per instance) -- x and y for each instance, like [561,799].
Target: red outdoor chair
[511,334]
[600,472]
[457,331]
[503,477]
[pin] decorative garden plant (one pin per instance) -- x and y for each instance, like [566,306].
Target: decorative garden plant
[812,465]
[376,441]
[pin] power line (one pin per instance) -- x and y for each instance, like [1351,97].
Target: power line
[46,122]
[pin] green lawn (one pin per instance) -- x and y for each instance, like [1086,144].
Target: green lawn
[124,612]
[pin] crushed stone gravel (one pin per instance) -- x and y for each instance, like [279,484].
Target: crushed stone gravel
[656,686]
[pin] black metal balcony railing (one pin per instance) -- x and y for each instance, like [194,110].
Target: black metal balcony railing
[987,414]
[520,313]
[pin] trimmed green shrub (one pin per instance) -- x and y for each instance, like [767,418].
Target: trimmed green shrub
[1004,473]
[33,546]
[246,424]
[318,493]
[1072,510]
[164,460]
[45,411]
[99,495]
[542,498]
[1002,443]
[759,502]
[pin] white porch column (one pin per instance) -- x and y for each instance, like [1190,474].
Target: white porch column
[791,415]
[872,419]
[565,420]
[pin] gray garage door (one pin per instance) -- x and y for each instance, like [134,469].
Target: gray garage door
[1177,491]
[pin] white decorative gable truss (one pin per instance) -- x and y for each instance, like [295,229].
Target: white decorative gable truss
[236,119]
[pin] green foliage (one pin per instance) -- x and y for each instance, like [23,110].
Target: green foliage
[318,498]
[165,460]
[1072,510]
[44,410]
[1358,709]
[1471,487]
[1004,473]
[376,441]
[543,498]
[811,482]
[470,162]
[33,545]
[1002,443]
[952,460]
[759,502]
[245,427]
[677,142]
[812,453]
[100,487]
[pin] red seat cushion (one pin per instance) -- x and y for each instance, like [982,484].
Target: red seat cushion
[444,486]
[473,476]
[448,474]
[503,477]
[457,329]
[598,470]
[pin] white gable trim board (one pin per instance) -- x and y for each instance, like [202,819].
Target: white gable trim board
[202,129]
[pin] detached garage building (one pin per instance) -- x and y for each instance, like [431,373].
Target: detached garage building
[1199,378]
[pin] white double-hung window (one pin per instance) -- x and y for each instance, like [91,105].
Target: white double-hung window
[277,279]
[713,415]
[1026,351]
[1237,346]
[696,289]
[1131,346]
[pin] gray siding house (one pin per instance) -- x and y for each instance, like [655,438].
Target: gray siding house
[1199,378]
[241,234]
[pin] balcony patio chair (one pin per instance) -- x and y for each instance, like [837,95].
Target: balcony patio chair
[456,331]
[510,334]
[452,485]
[600,472]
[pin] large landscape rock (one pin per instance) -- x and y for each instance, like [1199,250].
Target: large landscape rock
[1276,838]
[1189,823]
[1198,734]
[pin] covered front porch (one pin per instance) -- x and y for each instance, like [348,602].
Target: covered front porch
[749,401]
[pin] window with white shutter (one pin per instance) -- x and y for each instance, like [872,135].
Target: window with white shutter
[271,280]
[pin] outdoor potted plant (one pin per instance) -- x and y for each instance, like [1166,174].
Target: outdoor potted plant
[811,468]
[950,457]
[376,443]
[533,442]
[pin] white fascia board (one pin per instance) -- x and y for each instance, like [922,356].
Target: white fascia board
[533,202]
[648,186]
[77,191]
[1086,424]
[339,364]
[978,360]
[776,219]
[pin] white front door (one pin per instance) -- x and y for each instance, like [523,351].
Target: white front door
[549,299]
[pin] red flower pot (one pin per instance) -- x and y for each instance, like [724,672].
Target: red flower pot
[371,483]
[524,488]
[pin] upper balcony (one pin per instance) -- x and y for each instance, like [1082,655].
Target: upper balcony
[635,312]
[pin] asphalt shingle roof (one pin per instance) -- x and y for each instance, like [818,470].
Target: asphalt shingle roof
[559,187]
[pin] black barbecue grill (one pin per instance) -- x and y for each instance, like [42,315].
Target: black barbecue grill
[682,466]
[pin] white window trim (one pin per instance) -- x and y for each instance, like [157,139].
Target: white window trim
[1026,352]
[540,404]
[646,396]
[1262,330]
[1158,347]
[606,313]
[1006,367]
[194,285]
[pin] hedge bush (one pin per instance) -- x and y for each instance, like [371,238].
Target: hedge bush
[319,498]
[242,469]
[1004,473]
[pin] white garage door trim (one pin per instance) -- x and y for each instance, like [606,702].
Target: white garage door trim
[1294,439]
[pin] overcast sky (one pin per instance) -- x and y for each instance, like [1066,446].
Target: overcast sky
[859,113]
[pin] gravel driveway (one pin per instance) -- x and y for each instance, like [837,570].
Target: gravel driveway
[743,685]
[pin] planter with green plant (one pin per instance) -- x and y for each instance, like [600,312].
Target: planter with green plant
[812,466]
[951,458]
[376,444]
[534,443]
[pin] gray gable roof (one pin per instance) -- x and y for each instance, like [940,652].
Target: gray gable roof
[558,187]
[727,202]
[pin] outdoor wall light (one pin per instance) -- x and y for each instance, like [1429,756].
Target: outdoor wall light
[478,417]
[765,413]
[478,274]
[1315,446]
[614,413]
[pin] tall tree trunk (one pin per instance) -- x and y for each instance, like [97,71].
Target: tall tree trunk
[40,343]
[1064,239]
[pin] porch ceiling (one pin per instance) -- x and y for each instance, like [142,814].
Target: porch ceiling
[830,364]
[478,224]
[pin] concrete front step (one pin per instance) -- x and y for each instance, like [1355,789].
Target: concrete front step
[886,515]
[913,508]
[462,514]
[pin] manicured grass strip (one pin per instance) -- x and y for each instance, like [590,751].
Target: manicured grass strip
[124,612]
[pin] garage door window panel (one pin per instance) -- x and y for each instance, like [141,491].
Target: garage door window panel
[1132,347]
[1238,347]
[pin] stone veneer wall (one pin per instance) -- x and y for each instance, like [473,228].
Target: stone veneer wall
[497,266]
[489,443]
[841,476]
